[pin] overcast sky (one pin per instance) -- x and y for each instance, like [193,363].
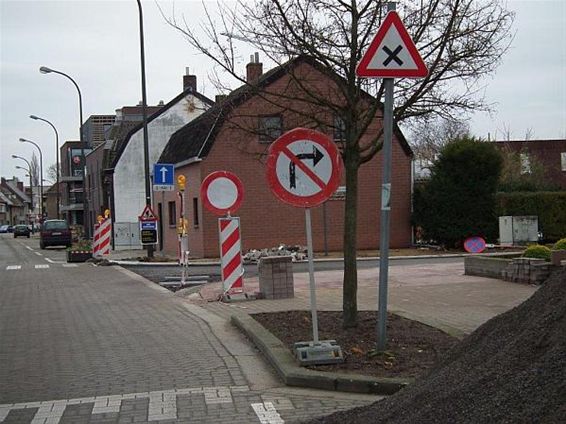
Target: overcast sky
[97,44]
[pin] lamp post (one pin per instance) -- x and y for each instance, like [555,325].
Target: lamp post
[144,116]
[57,158]
[46,70]
[30,179]
[23,140]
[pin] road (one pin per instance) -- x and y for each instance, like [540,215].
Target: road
[81,343]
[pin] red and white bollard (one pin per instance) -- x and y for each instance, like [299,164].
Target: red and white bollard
[101,239]
[231,255]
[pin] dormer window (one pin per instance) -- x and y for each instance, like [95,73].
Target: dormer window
[270,128]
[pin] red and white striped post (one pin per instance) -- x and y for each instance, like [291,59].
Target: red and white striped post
[101,239]
[222,194]
[231,255]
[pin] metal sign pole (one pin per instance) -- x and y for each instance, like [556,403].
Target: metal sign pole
[311,277]
[385,215]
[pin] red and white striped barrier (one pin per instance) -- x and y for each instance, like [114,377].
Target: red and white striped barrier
[231,255]
[101,239]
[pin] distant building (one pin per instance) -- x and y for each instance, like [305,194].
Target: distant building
[115,169]
[72,167]
[17,204]
[550,153]
[95,128]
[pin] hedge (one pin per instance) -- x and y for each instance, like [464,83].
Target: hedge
[550,207]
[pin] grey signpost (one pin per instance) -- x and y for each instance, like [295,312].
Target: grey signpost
[392,54]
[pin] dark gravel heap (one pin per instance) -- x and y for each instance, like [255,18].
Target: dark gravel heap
[510,370]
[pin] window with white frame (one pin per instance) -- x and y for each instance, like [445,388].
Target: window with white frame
[563,161]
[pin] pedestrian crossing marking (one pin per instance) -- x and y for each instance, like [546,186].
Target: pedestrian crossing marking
[267,413]
[41,266]
[70,265]
[12,267]
[162,404]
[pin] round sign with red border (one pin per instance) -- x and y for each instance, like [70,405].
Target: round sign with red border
[303,167]
[222,192]
[474,244]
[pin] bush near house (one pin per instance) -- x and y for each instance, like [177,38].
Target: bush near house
[537,251]
[550,208]
[459,199]
[560,245]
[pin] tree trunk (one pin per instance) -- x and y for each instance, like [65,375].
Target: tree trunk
[350,284]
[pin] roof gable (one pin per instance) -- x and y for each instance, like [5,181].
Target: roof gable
[124,143]
[195,139]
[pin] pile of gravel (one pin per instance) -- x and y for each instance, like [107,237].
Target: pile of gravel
[510,370]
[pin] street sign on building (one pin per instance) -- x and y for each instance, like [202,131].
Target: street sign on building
[392,53]
[163,176]
[303,167]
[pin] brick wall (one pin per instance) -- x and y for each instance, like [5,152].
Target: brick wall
[267,222]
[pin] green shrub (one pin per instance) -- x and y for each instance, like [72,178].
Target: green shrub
[459,199]
[537,251]
[560,245]
[550,208]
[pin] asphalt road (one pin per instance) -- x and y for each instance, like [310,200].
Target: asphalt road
[81,343]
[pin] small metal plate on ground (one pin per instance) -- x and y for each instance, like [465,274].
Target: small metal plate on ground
[325,352]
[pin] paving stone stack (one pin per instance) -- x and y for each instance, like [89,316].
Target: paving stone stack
[527,270]
[276,277]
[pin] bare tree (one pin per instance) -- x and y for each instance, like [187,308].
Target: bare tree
[429,136]
[51,174]
[34,163]
[461,41]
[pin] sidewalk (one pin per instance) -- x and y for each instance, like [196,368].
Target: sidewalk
[437,294]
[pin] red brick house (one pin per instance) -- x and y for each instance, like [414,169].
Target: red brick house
[551,154]
[220,139]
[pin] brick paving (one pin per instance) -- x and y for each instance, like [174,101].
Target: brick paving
[438,294]
[94,345]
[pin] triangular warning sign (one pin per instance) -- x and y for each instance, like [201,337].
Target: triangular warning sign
[392,53]
[147,214]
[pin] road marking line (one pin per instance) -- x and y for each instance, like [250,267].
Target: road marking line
[12,267]
[28,248]
[70,265]
[50,412]
[38,254]
[42,266]
[267,413]
[214,395]
[162,403]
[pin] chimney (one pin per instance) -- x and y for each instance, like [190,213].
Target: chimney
[254,69]
[220,98]
[189,81]
[20,185]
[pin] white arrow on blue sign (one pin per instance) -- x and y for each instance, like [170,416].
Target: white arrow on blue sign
[163,176]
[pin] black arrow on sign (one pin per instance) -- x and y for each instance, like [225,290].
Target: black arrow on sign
[316,156]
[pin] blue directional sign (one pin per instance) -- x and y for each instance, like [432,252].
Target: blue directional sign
[163,176]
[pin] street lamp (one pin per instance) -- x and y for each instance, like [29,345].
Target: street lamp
[30,179]
[23,140]
[46,70]
[144,117]
[57,157]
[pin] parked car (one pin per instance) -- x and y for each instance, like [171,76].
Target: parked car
[21,230]
[4,228]
[55,232]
